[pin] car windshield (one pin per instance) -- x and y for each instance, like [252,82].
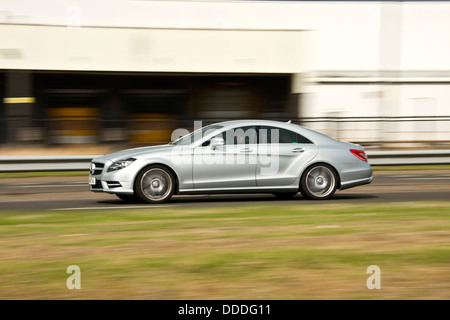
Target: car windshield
[196,135]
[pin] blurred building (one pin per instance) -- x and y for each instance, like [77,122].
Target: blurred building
[105,71]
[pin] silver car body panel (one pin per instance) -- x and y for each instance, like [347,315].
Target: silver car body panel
[235,168]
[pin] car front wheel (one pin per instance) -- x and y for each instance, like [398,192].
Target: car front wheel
[319,182]
[155,184]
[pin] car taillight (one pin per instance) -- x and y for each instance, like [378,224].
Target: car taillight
[360,154]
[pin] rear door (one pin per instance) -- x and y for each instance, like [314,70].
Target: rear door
[281,156]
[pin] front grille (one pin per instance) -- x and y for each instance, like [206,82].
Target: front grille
[96,168]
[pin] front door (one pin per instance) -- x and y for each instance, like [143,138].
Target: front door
[232,165]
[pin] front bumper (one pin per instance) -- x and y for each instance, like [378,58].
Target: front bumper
[111,186]
[116,182]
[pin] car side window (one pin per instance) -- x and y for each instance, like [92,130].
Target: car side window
[241,135]
[302,139]
[269,134]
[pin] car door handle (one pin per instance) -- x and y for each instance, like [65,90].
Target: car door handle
[298,150]
[246,150]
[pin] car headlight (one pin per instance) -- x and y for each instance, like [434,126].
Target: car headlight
[120,164]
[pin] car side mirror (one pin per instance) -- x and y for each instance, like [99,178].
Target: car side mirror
[216,142]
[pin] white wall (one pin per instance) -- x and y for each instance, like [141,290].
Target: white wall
[343,55]
[426,36]
[346,35]
[154,50]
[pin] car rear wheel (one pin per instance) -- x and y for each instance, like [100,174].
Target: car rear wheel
[155,184]
[319,182]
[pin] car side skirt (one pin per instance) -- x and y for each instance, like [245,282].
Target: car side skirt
[239,190]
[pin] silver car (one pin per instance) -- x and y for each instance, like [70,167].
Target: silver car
[245,156]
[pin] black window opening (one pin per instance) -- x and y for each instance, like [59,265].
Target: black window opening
[243,135]
[261,135]
[269,134]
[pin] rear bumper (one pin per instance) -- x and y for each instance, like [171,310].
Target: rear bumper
[355,174]
[355,183]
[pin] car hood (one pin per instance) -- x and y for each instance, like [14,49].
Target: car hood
[133,153]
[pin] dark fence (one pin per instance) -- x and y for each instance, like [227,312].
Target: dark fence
[368,131]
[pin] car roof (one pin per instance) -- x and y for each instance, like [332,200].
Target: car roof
[314,136]
[233,123]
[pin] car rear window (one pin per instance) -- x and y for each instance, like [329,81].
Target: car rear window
[278,135]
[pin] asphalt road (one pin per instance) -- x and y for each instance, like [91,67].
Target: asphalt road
[72,193]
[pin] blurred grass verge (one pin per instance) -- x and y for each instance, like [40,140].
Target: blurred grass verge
[252,252]
[33,174]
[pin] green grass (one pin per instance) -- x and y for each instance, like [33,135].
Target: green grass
[252,252]
[33,174]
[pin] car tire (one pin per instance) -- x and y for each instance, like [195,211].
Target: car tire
[155,184]
[319,182]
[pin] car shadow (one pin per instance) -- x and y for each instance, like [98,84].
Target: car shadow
[246,198]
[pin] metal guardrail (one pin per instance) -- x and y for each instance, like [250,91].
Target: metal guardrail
[416,157]
[82,162]
[45,163]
